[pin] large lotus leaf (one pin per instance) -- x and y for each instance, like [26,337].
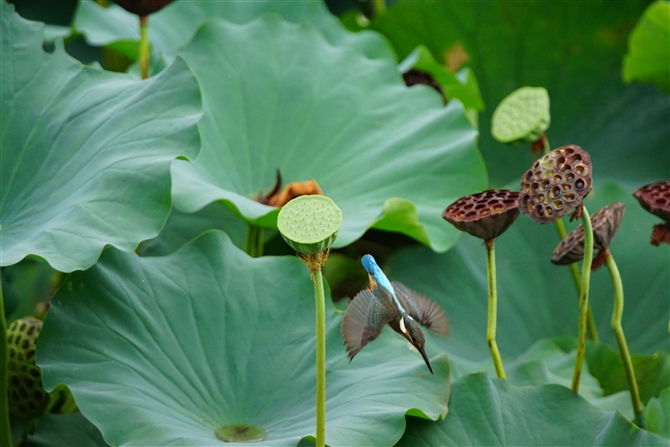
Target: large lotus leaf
[494,412]
[182,227]
[71,430]
[165,350]
[86,154]
[537,299]
[574,52]
[648,57]
[657,414]
[173,26]
[279,97]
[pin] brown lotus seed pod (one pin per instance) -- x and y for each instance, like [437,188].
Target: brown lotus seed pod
[143,7]
[655,198]
[556,184]
[485,215]
[605,223]
[415,77]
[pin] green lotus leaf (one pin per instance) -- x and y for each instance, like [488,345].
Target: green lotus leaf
[511,45]
[72,430]
[537,299]
[462,85]
[494,412]
[648,58]
[175,25]
[86,154]
[277,96]
[181,228]
[656,414]
[208,337]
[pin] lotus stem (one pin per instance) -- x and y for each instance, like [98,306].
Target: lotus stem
[379,6]
[593,329]
[583,298]
[621,339]
[320,359]
[560,227]
[5,428]
[493,307]
[254,243]
[144,46]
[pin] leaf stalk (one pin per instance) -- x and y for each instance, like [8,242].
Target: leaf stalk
[320,359]
[144,46]
[583,299]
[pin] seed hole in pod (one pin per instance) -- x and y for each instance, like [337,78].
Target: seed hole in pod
[461,213]
[23,393]
[470,214]
[480,206]
[528,176]
[544,185]
[525,188]
[30,354]
[580,169]
[28,382]
[576,158]
[38,395]
[558,178]
[35,372]
[558,204]
[563,168]
[548,211]
[22,327]
[579,184]
[661,201]
[546,162]
[539,210]
[569,197]
[548,173]
[14,381]
[539,197]
[555,191]
[524,200]
[509,201]
[498,207]
[485,212]
[537,175]
[468,206]
[560,160]
[20,358]
[31,330]
[566,187]
[569,177]
[32,406]
[568,151]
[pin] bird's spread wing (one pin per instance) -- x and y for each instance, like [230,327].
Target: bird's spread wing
[422,309]
[363,322]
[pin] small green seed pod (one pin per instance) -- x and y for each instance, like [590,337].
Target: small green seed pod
[522,116]
[27,397]
[309,224]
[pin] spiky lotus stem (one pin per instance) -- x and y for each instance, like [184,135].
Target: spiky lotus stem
[621,339]
[493,307]
[583,299]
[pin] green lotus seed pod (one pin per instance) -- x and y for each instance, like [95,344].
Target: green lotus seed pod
[522,116]
[309,224]
[27,397]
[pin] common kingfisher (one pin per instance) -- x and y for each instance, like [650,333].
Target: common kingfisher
[391,303]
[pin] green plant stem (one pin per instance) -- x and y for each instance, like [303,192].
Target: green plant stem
[5,429]
[320,359]
[583,298]
[144,46]
[493,307]
[254,243]
[379,6]
[593,330]
[621,339]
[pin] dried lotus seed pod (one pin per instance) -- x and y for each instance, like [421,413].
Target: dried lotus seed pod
[655,198]
[485,215]
[27,397]
[418,77]
[522,116]
[143,7]
[556,184]
[309,224]
[605,223]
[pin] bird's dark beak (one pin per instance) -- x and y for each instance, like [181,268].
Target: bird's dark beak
[425,357]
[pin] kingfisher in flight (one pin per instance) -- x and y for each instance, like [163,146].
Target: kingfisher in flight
[391,303]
